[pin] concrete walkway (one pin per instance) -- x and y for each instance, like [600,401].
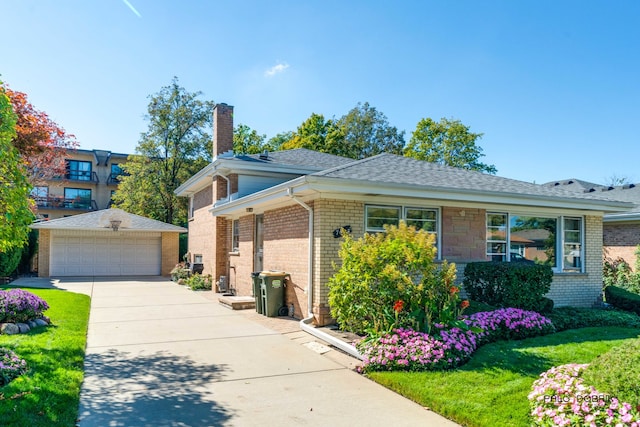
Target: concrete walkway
[159,354]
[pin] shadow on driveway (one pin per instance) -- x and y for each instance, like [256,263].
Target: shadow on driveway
[157,389]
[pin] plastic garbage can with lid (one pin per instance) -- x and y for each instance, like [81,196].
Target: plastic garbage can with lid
[272,291]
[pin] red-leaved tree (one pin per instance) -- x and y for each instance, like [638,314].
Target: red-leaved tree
[42,143]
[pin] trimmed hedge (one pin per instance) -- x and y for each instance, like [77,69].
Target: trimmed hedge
[622,299]
[564,318]
[509,284]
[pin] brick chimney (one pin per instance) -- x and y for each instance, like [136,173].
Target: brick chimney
[222,129]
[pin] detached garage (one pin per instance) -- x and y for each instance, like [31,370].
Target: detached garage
[109,242]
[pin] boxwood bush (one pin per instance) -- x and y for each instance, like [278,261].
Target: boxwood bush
[509,284]
[622,299]
[617,372]
[572,318]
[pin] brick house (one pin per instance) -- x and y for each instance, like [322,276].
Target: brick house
[281,211]
[621,231]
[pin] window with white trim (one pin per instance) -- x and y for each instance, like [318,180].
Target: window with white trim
[376,217]
[540,239]
[235,236]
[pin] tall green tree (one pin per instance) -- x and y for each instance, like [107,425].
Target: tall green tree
[175,146]
[366,132]
[447,142]
[15,204]
[248,141]
[316,133]
[276,142]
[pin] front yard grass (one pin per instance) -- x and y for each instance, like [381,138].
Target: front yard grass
[492,388]
[49,394]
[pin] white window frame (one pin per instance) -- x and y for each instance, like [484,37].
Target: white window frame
[560,239]
[402,212]
[235,235]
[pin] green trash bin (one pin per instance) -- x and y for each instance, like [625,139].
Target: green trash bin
[272,292]
[255,277]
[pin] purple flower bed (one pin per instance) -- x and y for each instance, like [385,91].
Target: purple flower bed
[446,348]
[17,306]
[509,324]
[11,366]
[559,398]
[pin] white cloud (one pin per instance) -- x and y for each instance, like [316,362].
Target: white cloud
[276,69]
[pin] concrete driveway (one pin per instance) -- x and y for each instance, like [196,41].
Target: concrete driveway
[159,354]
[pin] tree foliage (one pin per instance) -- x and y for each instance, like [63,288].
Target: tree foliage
[15,205]
[366,132]
[175,146]
[248,141]
[40,141]
[361,133]
[447,142]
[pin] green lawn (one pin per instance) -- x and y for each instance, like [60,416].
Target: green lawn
[491,390]
[49,394]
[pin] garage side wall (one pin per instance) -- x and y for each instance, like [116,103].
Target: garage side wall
[170,243]
[44,251]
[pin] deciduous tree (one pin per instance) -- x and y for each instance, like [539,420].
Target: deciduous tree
[41,142]
[15,205]
[315,134]
[247,141]
[175,146]
[447,142]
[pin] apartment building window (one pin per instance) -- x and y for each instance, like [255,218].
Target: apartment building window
[79,170]
[79,198]
[40,192]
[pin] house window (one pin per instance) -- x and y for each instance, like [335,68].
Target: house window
[78,170]
[79,198]
[535,239]
[377,217]
[572,244]
[235,236]
[197,259]
[497,236]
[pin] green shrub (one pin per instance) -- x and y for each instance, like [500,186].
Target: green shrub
[389,280]
[9,261]
[478,307]
[617,372]
[617,272]
[509,284]
[180,271]
[622,299]
[572,318]
[198,282]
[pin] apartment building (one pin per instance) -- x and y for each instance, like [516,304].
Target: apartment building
[90,180]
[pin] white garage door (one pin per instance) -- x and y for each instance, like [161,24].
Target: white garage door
[105,254]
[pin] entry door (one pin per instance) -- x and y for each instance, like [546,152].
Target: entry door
[258,244]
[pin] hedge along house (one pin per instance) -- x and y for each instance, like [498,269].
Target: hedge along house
[108,242]
[252,213]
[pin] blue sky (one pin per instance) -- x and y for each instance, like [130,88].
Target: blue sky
[554,86]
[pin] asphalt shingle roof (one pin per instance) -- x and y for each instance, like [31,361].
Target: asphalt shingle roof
[623,193]
[390,168]
[100,220]
[297,157]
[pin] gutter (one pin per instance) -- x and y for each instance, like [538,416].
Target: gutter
[306,323]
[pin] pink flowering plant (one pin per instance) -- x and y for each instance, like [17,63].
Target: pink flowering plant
[409,350]
[17,305]
[11,366]
[448,346]
[509,324]
[560,398]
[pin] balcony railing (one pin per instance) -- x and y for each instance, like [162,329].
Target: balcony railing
[81,176]
[52,202]
[114,178]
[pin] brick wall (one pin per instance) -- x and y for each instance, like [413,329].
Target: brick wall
[202,230]
[241,262]
[169,252]
[621,241]
[463,234]
[331,215]
[44,250]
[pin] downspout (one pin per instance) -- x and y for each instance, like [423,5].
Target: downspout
[306,323]
[228,185]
